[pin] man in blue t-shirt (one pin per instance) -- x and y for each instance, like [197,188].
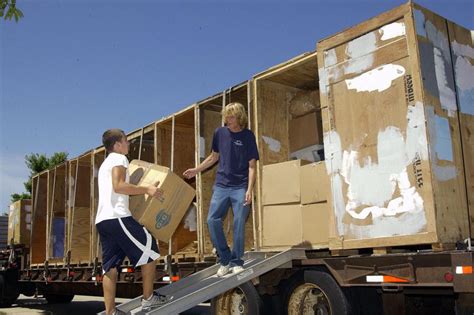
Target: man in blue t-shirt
[235,148]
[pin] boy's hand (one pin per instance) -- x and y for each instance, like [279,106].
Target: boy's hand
[190,173]
[154,192]
[248,198]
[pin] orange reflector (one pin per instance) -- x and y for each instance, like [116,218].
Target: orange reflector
[393,279]
[383,279]
[463,270]
[174,278]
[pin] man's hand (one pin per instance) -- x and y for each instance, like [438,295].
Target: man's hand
[154,191]
[248,198]
[190,173]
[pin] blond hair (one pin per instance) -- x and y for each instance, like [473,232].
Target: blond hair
[237,110]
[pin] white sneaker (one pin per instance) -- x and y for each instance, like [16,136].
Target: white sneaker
[154,301]
[237,269]
[223,270]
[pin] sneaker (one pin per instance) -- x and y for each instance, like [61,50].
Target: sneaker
[154,301]
[223,270]
[237,269]
[118,312]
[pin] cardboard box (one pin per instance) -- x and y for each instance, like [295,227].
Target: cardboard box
[160,216]
[315,219]
[281,183]
[19,222]
[314,153]
[282,225]
[305,131]
[315,184]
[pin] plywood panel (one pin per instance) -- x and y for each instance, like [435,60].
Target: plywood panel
[57,207]
[148,147]
[80,213]
[272,139]
[462,52]
[83,189]
[38,240]
[443,127]
[80,235]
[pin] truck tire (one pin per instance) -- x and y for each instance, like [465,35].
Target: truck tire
[8,291]
[59,298]
[241,300]
[316,293]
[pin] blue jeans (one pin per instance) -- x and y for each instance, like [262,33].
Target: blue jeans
[222,199]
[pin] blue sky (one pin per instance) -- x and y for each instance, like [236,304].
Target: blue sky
[71,69]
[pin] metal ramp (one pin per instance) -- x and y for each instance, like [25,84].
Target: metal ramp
[204,285]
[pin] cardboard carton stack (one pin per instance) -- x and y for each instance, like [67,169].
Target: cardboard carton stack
[295,198]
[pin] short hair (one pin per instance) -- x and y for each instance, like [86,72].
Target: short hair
[110,137]
[237,110]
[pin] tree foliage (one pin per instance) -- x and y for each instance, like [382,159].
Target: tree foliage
[8,10]
[38,163]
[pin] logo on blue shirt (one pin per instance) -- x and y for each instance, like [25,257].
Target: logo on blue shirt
[238,142]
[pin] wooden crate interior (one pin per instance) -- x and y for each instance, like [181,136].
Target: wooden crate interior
[38,227]
[177,152]
[57,208]
[80,216]
[285,97]
[209,119]
[184,240]
[283,94]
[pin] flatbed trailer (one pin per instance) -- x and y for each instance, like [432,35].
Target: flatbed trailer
[408,73]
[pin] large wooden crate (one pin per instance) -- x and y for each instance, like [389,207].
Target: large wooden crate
[39,199]
[175,149]
[56,214]
[208,119]
[79,221]
[287,117]
[392,132]
[19,222]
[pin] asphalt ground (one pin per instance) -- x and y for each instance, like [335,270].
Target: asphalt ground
[80,305]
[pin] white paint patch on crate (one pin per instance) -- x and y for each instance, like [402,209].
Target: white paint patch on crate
[392,30]
[378,79]
[273,144]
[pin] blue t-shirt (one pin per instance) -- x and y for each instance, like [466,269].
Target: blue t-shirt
[235,150]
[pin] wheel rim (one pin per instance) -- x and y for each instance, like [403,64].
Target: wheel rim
[308,298]
[238,302]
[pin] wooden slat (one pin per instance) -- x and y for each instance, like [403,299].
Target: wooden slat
[362,28]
